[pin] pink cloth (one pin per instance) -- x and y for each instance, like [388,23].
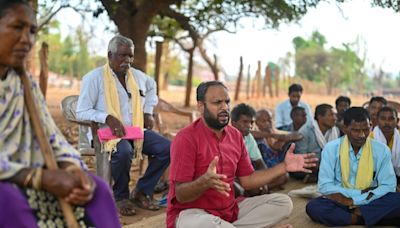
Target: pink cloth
[132,133]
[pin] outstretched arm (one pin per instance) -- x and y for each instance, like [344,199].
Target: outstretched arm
[293,163]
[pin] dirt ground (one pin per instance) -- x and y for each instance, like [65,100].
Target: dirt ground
[175,95]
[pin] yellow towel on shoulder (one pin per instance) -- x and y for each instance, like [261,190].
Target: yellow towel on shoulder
[113,107]
[365,167]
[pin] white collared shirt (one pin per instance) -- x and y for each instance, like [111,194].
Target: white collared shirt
[91,104]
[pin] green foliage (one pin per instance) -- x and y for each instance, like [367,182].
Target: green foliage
[69,56]
[201,16]
[335,67]
[170,64]
[196,81]
[391,4]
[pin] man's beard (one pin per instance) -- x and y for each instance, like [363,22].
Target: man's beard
[213,122]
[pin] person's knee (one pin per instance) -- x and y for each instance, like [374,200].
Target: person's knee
[197,218]
[124,151]
[287,204]
[12,197]
[102,188]
[315,210]
[310,208]
[284,202]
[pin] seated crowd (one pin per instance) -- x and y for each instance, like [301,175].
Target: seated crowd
[222,167]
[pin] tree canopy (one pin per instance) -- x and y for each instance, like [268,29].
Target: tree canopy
[334,66]
[134,18]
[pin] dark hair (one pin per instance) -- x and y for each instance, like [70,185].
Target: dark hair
[203,87]
[242,109]
[296,110]
[321,110]
[342,99]
[388,109]
[295,88]
[358,114]
[378,99]
[7,4]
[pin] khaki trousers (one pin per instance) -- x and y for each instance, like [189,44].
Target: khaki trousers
[258,211]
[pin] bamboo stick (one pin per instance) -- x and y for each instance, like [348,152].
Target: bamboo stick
[43,142]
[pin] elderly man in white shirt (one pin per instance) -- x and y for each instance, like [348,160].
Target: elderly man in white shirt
[117,95]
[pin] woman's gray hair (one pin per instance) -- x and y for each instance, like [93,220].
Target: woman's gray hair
[119,40]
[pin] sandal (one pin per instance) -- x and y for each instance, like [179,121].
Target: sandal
[144,201]
[125,207]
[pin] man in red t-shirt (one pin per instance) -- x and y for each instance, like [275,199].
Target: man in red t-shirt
[206,156]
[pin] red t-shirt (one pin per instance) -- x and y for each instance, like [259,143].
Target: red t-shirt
[192,151]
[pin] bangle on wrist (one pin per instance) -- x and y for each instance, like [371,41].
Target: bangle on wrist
[28,177]
[37,178]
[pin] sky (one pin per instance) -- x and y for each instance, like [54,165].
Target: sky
[376,28]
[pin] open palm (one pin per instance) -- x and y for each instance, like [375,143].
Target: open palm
[299,162]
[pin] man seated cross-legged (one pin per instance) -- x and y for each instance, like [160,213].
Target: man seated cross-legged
[356,179]
[206,156]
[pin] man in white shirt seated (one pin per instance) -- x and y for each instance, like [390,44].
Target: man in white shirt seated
[117,95]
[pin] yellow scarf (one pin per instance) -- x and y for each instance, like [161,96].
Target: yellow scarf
[365,167]
[114,109]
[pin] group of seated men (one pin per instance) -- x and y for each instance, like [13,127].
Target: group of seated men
[358,155]
[212,179]
[355,164]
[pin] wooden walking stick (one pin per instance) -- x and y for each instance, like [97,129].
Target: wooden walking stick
[43,142]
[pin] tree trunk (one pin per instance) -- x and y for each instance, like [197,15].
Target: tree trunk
[277,82]
[213,65]
[44,68]
[133,19]
[189,78]
[258,80]
[139,40]
[215,68]
[159,46]
[248,82]
[165,81]
[239,79]
[268,80]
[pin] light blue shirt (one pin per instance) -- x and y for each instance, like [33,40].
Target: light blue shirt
[91,103]
[330,176]
[282,113]
[252,147]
